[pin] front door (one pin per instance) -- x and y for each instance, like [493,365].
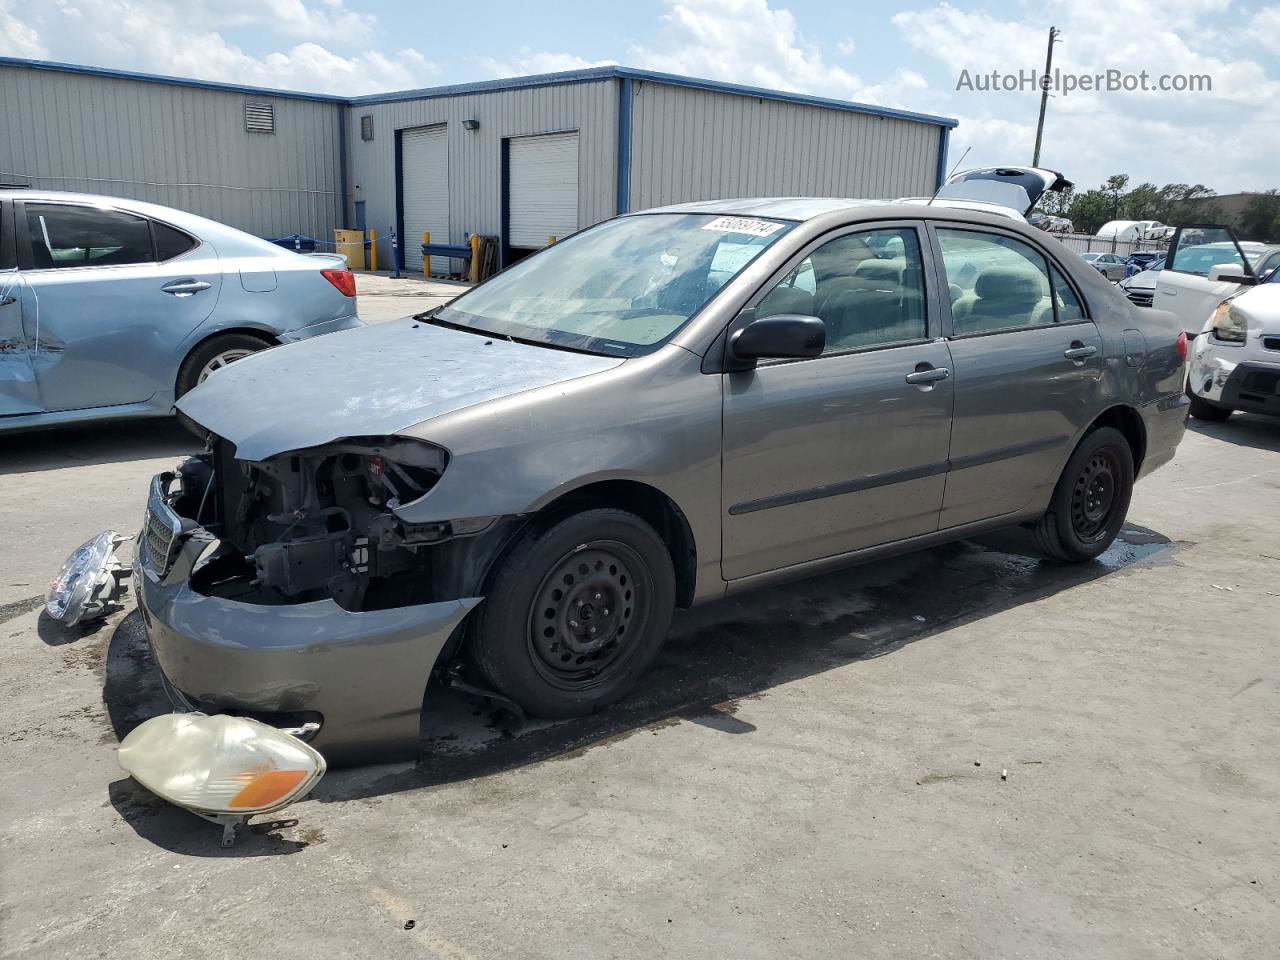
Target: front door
[18,391]
[1184,287]
[846,450]
[113,296]
[1027,368]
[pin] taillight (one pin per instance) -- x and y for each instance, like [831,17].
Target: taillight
[1182,345]
[344,280]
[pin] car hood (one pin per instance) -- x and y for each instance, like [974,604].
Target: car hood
[372,381]
[1146,280]
[1261,308]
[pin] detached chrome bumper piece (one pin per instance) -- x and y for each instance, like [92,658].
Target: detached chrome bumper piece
[361,674]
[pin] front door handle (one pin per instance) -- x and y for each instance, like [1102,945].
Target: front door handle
[185,288]
[928,375]
[1078,351]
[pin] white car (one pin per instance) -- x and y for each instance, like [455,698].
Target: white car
[1235,362]
[1206,265]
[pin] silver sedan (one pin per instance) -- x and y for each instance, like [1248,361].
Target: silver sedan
[114,308]
[1109,265]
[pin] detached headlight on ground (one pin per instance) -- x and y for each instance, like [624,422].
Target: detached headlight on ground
[225,769]
[91,580]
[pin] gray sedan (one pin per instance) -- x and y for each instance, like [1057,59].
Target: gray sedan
[518,489]
[1109,265]
[112,308]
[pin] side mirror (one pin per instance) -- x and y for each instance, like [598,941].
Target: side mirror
[785,336]
[1227,273]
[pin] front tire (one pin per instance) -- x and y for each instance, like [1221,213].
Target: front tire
[576,613]
[1203,409]
[1091,499]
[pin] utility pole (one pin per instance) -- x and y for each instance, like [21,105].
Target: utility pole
[1054,34]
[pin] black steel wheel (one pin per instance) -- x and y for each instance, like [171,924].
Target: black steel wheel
[1093,495]
[1091,499]
[576,613]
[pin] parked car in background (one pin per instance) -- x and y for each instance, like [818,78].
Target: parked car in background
[663,409]
[1140,260]
[1110,265]
[114,308]
[1206,265]
[1235,363]
[1140,288]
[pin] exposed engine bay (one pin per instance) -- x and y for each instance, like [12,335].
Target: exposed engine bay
[320,523]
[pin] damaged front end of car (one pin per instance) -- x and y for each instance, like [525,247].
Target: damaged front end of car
[291,590]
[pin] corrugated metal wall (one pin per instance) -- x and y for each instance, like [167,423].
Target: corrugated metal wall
[689,144]
[182,146]
[475,156]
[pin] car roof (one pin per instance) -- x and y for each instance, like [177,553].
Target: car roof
[809,208]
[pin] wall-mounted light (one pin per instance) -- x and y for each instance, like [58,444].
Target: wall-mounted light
[470,124]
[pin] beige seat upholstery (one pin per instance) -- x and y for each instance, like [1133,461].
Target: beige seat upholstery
[1002,297]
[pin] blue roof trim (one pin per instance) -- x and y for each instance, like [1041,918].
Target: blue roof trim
[590,75]
[159,78]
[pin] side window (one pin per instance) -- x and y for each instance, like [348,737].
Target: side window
[1065,302]
[1200,249]
[868,288]
[996,282]
[69,236]
[170,243]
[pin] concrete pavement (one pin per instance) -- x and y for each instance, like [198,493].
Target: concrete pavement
[962,753]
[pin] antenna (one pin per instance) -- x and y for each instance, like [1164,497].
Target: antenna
[948,176]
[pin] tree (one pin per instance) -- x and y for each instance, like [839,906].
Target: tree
[1261,218]
[1114,188]
[1142,203]
[1090,210]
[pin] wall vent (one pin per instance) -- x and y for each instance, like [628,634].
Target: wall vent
[259,117]
[366,127]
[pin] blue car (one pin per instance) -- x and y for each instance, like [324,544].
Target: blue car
[115,308]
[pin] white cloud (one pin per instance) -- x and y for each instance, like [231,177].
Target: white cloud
[17,39]
[847,47]
[1220,138]
[526,62]
[321,50]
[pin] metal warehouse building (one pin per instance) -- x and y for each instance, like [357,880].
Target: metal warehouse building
[525,160]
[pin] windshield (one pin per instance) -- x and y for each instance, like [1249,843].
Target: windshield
[620,288]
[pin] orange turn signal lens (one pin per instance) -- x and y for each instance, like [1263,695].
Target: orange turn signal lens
[267,788]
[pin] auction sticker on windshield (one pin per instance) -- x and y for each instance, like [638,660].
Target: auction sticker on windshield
[756,228]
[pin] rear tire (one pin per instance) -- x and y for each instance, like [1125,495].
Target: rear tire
[214,352]
[1091,498]
[576,613]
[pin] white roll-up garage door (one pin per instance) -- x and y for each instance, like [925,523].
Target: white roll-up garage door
[424,166]
[543,189]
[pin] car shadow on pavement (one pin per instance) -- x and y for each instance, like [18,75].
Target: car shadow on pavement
[1242,429]
[715,656]
[110,441]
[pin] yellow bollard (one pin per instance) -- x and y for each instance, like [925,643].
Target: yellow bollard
[426,261]
[373,250]
[475,258]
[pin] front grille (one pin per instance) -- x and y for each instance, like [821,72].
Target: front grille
[1271,343]
[159,539]
[1141,298]
[1260,383]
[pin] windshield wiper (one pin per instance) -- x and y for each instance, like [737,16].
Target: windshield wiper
[432,317]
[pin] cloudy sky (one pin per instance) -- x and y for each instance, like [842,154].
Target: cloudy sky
[908,56]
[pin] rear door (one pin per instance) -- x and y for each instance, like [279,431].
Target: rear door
[1184,287]
[18,391]
[113,297]
[1027,365]
[846,450]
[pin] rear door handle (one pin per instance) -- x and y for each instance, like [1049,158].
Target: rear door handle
[929,375]
[185,288]
[1080,352]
